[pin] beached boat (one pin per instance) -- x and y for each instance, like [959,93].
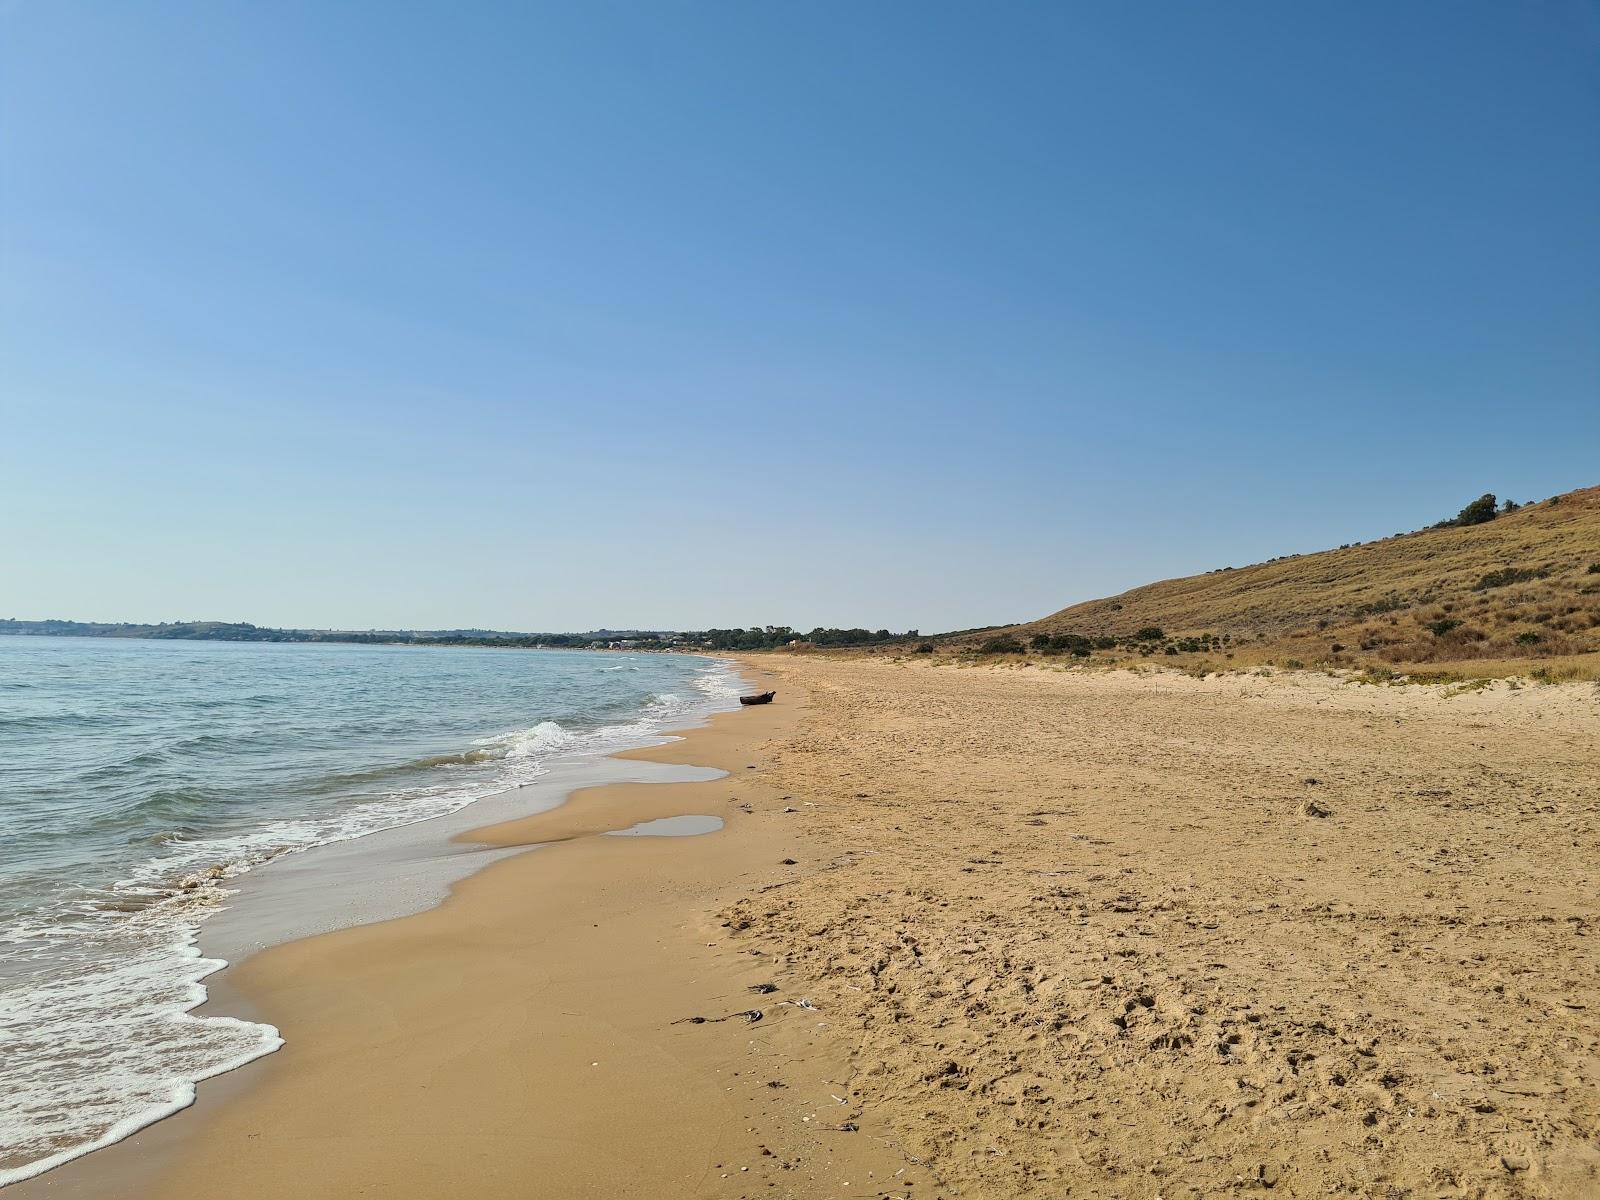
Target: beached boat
[763,698]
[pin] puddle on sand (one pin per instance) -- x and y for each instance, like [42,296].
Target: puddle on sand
[686,826]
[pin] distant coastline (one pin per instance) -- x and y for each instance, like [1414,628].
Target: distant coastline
[243,631]
[755,638]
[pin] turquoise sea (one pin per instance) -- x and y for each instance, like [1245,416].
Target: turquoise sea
[138,778]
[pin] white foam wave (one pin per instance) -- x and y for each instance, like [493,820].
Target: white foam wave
[718,682]
[106,1049]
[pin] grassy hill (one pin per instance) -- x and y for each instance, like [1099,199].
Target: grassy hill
[1525,585]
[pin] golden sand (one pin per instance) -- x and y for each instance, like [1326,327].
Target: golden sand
[1057,934]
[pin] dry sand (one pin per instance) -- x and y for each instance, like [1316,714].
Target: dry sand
[1107,934]
[1062,934]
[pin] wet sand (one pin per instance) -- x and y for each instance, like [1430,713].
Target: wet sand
[530,1036]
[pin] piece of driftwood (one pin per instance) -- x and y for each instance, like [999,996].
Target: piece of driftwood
[763,698]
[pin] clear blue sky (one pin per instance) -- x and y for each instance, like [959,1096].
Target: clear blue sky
[666,314]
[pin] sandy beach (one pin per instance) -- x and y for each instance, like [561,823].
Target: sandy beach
[535,1034]
[1117,934]
[1148,451]
[1018,931]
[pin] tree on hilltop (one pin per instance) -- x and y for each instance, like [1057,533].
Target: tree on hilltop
[1480,510]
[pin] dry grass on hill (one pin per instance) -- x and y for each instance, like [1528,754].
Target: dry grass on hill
[1519,591]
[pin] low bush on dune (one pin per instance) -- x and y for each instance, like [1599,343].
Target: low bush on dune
[1075,644]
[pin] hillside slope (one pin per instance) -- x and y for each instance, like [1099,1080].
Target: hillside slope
[1526,584]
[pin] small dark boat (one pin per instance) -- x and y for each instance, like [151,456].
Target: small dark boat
[763,698]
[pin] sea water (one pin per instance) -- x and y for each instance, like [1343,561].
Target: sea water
[138,778]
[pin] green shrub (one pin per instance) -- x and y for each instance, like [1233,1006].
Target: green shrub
[1528,638]
[1480,510]
[1594,568]
[1150,633]
[1443,626]
[924,648]
[1072,644]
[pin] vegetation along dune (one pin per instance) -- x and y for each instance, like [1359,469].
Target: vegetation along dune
[1491,591]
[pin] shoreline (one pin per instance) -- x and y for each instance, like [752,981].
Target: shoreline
[386,874]
[305,987]
[258,768]
[1028,933]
